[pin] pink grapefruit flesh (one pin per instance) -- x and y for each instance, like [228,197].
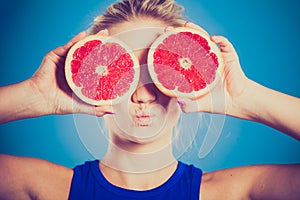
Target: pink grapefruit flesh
[101,70]
[184,62]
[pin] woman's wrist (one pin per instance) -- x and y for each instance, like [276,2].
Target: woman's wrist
[22,100]
[247,104]
[39,99]
[269,107]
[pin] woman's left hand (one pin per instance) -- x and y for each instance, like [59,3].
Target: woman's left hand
[232,85]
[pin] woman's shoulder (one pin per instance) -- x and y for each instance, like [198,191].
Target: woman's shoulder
[258,181]
[230,183]
[35,178]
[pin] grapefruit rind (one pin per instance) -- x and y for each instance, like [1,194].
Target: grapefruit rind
[175,92]
[78,90]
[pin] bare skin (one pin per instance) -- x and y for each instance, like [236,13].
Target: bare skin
[28,178]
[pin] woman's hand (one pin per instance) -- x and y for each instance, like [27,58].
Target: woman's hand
[232,85]
[240,97]
[50,81]
[47,91]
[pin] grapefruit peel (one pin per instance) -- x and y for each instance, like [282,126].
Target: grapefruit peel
[174,67]
[101,70]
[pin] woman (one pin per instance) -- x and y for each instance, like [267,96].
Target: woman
[139,162]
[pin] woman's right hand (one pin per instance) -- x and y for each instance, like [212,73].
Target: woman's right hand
[50,82]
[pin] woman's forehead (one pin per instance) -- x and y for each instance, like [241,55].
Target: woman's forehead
[138,34]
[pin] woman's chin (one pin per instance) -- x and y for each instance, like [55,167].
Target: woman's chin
[144,133]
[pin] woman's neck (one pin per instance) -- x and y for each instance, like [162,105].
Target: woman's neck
[129,156]
[138,181]
[135,160]
[138,171]
[139,166]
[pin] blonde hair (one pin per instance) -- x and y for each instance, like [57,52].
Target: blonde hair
[165,10]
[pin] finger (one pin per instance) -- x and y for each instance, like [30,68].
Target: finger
[188,24]
[81,107]
[78,106]
[63,50]
[228,51]
[224,43]
[188,105]
[96,111]
[75,39]
[103,33]
[230,57]
[168,28]
[103,110]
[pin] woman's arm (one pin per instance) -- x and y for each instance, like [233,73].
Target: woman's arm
[255,102]
[21,100]
[46,92]
[269,107]
[31,178]
[253,182]
[275,182]
[243,98]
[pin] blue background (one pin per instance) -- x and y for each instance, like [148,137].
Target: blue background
[266,37]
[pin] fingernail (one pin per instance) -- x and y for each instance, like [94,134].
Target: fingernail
[168,28]
[110,113]
[105,31]
[181,103]
[215,37]
[82,33]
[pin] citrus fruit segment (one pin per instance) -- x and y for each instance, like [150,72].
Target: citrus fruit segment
[184,62]
[101,70]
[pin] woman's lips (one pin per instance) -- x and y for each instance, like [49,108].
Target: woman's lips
[143,119]
[143,116]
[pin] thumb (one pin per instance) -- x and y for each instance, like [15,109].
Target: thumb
[188,105]
[82,107]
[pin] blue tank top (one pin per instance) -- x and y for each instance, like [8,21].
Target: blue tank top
[88,183]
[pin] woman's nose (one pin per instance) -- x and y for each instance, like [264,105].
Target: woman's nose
[146,90]
[144,94]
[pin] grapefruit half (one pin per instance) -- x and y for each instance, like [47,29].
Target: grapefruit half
[184,62]
[101,70]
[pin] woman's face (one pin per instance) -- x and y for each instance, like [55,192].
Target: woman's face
[147,114]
